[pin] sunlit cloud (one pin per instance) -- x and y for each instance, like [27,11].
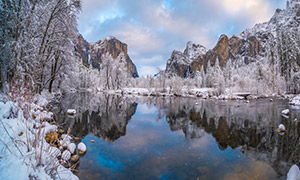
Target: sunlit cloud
[255,11]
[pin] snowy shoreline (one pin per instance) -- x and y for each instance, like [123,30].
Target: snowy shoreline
[202,93]
[23,127]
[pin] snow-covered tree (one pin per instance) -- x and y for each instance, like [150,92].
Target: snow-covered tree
[37,35]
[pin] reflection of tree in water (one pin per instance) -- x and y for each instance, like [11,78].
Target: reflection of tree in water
[247,127]
[104,116]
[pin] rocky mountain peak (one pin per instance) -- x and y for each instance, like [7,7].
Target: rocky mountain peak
[111,45]
[193,50]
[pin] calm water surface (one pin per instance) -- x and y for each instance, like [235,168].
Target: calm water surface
[181,138]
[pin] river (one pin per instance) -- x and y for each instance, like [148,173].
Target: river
[181,138]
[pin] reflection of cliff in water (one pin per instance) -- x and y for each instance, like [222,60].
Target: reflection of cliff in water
[247,127]
[104,116]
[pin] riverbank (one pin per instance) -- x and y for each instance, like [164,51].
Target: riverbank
[24,123]
[203,93]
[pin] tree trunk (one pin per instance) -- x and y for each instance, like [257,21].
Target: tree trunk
[53,72]
[3,77]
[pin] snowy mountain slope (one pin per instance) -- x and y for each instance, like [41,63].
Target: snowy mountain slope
[193,50]
[267,54]
[179,62]
[93,53]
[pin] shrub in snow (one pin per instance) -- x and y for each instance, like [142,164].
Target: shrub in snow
[66,155]
[72,147]
[42,115]
[294,173]
[51,137]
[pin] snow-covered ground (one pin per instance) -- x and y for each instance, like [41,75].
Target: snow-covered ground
[295,101]
[24,152]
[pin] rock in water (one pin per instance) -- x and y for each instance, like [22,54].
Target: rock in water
[71,112]
[72,148]
[66,155]
[295,120]
[81,148]
[285,112]
[281,127]
[294,173]
[74,159]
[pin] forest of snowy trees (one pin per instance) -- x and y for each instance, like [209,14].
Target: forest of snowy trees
[35,38]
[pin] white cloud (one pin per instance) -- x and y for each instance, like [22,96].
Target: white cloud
[147,70]
[178,26]
[255,11]
[139,38]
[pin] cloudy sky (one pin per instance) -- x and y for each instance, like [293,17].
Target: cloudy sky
[154,28]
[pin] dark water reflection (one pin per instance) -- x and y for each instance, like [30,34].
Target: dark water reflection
[181,138]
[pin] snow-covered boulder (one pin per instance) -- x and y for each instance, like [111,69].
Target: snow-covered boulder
[72,147]
[65,173]
[81,148]
[285,112]
[49,128]
[281,127]
[66,155]
[294,173]
[66,140]
[54,151]
[71,112]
